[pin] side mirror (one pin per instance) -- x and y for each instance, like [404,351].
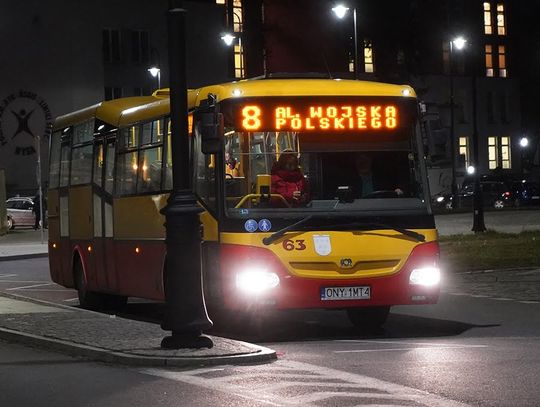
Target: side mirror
[211,130]
[210,125]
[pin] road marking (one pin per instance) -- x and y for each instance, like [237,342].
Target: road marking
[72,299]
[530,302]
[7,275]
[405,349]
[251,382]
[502,299]
[400,342]
[28,286]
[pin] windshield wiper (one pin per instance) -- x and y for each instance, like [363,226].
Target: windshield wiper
[415,235]
[276,235]
[411,233]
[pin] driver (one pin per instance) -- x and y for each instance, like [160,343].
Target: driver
[288,179]
[367,181]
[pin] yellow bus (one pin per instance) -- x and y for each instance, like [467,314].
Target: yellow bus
[315,195]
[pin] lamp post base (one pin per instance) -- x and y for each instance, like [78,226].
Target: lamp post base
[187,341]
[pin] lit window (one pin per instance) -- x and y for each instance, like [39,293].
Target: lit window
[368,57]
[506,153]
[351,62]
[464,149]
[489,60]
[501,27]
[502,61]
[239,61]
[493,153]
[237,16]
[220,1]
[487,18]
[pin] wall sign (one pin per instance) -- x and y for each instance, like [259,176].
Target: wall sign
[24,116]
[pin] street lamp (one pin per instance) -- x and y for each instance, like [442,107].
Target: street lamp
[228,39]
[459,43]
[156,73]
[341,11]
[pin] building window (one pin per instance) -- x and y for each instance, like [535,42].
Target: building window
[493,153]
[446,57]
[239,60]
[351,62]
[368,57]
[112,93]
[490,107]
[502,61]
[501,26]
[489,60]
[505,114]
[506,153]
[488,29]
[237,16]
[139,47]
[112,45]
[220,1]
[499,153]
[464,149]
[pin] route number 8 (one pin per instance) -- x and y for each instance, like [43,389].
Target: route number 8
[251,117]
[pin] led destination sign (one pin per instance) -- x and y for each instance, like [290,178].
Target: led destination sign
[319,117]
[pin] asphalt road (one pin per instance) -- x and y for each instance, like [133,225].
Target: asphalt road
[479,346]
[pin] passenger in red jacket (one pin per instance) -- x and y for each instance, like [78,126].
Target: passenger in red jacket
[288,180]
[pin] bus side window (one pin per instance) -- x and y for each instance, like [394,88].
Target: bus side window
[64,164]
[126,174]
[54,161]
[150,170]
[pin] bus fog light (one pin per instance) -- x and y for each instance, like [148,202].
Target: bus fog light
[256,281]
[426,276]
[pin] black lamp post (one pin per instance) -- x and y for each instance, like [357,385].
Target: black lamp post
[185,309]
[340,11]
[458,43]
[478,204]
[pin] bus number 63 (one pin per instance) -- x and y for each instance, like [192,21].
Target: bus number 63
[294,245]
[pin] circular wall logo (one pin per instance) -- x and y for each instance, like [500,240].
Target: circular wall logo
[24,117]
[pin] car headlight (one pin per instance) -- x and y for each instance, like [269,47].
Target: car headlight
[256,280]
[440,198]
[426,276]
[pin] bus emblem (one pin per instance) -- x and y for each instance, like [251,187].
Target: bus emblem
[346,263]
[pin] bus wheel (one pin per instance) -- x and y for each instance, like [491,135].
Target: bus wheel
[368,317]
[87,299]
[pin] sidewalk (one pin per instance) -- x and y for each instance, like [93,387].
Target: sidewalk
[98,336]
[107,338]
[23,244]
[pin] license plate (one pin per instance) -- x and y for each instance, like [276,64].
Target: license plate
[345,293]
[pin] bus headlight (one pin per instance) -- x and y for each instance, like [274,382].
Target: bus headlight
[426,276]
[256,280]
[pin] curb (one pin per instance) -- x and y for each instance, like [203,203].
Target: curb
[23,256]
[103,355]
[261,354]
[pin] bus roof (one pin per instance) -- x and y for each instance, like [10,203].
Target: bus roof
[304,87]
[126,111]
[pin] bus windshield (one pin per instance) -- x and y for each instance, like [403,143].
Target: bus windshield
[288,170]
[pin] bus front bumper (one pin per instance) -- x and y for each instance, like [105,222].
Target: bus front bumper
[254,277]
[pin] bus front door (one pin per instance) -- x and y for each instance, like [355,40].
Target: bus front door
[103,215]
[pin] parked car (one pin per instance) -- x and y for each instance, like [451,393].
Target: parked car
[20,212]
[495,194]
[526,193]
